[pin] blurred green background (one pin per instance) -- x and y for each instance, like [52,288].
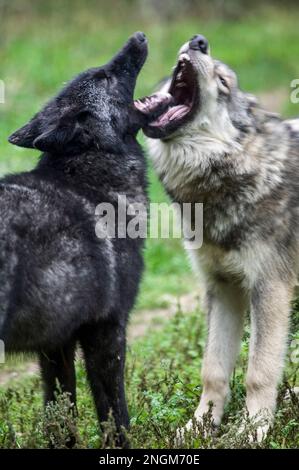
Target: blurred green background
[43,44]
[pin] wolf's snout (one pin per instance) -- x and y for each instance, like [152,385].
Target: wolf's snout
[127,63]
[199,43]
[140,36]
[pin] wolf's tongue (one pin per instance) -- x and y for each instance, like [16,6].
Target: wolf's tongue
[177,111]
[173,113]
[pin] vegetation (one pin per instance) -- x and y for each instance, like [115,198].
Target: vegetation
[163,390]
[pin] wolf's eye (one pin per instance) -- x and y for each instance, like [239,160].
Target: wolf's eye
[223,84]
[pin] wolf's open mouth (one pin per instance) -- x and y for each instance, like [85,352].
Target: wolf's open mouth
[171,110]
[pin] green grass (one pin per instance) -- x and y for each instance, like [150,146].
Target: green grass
[39,53]
[163,389]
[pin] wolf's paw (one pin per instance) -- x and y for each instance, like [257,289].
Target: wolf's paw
[260,434]
[294,391]
[195,427]
[256,433]
[256,427]
[182,433]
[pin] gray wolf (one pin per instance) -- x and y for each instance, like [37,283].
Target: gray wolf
[60,283]
[215,145]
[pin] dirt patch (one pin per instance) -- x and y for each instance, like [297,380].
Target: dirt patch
[145,320]
[26,369]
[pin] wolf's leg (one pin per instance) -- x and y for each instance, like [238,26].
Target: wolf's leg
[226,308]
[58,372]
[104,347]
[270,307]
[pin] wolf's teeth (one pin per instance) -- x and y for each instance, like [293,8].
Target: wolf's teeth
[163,94]
[148,104]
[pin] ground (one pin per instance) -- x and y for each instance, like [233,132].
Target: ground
[167,331]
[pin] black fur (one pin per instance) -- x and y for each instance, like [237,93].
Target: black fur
[60,283]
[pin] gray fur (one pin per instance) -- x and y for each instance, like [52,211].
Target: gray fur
[242,163]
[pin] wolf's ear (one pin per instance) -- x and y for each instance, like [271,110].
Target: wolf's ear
[25,136]
[57,137]
[240,110]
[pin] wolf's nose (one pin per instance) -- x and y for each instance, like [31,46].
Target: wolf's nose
[140,36]
[199,43]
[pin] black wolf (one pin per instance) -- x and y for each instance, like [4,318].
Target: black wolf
[60,283]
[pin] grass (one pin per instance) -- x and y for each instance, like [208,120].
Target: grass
[38,53]
[163,390]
